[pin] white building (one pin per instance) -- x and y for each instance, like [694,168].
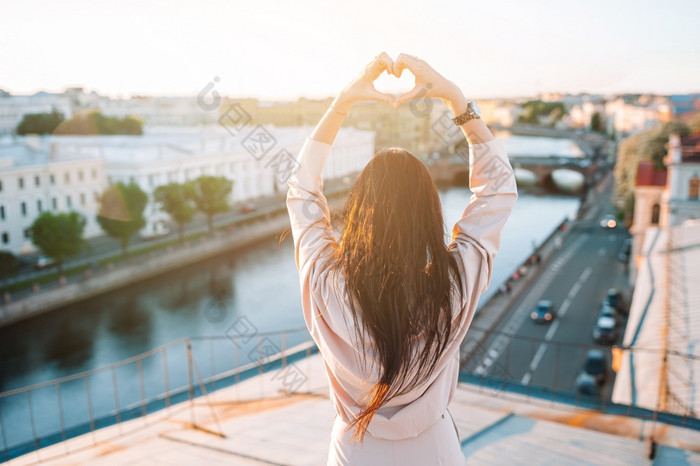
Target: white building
[160,111]
[64,173]
[34,178]
[629,117]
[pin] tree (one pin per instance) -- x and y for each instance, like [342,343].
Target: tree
[694,123]
[596,123]
[178,201]
[94,122]
[121,212]
[39,123]
[8,265]
[58,236]
[647,145]
[210,194]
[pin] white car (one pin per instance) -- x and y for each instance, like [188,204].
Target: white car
[154,231]
[43,262]
[608,221]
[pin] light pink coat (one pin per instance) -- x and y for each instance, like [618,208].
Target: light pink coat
[414,428]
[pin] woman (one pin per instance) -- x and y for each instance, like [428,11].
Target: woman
[388,304]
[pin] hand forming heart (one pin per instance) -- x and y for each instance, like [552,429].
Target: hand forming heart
[428,83]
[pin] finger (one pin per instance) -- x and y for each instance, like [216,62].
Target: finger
[381,63]
[410,95]
[407,61]
[376,95]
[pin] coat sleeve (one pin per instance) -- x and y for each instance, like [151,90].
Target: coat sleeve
[314,241]
[476,237]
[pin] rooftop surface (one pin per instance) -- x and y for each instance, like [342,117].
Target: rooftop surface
[253,423]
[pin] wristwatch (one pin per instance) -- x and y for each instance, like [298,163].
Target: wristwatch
[471,113]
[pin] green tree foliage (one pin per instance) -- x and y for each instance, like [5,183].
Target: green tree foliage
[9,265]
[597,123]
[121,212]
[39,123]
[647,145]
[694,123]
[93,122]
[534,109]
[178,201]
[210,194]
[58,236]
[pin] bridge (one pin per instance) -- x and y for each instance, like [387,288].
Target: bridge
[451,166]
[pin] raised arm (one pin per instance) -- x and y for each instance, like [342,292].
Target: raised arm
[476,237]
[307,206]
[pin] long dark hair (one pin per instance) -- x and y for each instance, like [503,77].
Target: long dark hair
[397,271]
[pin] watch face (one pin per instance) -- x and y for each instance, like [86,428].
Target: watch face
[475,108]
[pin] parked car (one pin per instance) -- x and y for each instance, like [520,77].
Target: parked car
[586,385]
[605,330]
[596,365]
[613,298]
[43,262]
[248,208]
[608,222]
[626,250]
[543,312]
[606,310]
[154,231]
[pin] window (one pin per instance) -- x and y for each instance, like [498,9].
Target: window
[0,185]
[694,188]
[655,212]
[82,199]
[38,205]
[21,182]
[5,237]
[80,175]
[37,180]
[66,177]
[2,212]
[69,202]
[54,204]
[52,180]
[24,208]
[27,232]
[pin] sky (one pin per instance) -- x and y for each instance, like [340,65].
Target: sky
[289,49]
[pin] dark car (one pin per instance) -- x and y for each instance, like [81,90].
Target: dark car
[596,365]
[606,310]
[586,385]
[605,330]
[614,299]
[626,250]
[543,313]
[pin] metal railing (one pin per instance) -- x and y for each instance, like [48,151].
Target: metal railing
[549,371]
[158,381]
[50,412]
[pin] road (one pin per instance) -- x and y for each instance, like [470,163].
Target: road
[576,280]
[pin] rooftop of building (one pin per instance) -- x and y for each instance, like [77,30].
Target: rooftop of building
[155,145]
[663,320]
[648,175]
[254,422]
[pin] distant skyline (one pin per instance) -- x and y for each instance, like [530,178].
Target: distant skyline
[280,50]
